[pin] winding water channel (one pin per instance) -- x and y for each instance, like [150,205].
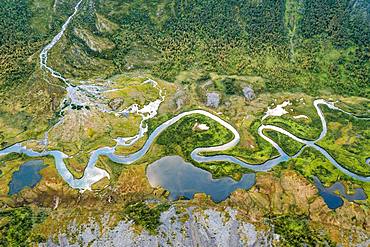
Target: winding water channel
[44,53]
[93,174]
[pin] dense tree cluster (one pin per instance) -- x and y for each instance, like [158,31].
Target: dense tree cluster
[249,37]
[20,39]
[344,21]
[16,41]
[16,225]
[295,231]
[145,216]
[223,36]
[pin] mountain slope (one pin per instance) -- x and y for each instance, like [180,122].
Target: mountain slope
[298,46]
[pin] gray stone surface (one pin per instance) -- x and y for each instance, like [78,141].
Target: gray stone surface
[248,93]
[202,228]
[179,98]
[213,99]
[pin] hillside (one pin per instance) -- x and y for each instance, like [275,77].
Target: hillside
[299,46]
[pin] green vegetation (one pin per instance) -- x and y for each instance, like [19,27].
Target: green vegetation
[17,42]
[155,122]
[308,126]
[222,169]
[145,215]
[294,45]
[348,141]
[312,163]
[24,28]
[296,231]
[329,41]
[25,98]
[305,131]
[182,137]
[11,157]
[306,46]
[228,85]
[289,146]
[257,155]
[16,226]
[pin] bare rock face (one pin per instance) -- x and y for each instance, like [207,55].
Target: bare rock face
[213,99]
[179,103]
[179,99]
[104,25]
[201,228]
[95,43]
[249,93]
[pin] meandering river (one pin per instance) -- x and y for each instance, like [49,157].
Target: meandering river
[93,174]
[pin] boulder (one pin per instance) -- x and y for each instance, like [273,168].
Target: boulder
[248,93]
[213,99]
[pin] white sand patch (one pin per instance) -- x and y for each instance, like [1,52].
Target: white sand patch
[277,111]
[300,116]
[202,127]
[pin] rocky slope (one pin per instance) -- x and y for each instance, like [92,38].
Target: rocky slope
[189,228]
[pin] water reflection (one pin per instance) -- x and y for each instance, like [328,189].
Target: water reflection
[333,194]
[182,179]
[27,176]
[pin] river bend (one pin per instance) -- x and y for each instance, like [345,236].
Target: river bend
[93,174]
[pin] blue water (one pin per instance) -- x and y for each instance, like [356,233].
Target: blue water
[27,176]
[182,179]
[332,199]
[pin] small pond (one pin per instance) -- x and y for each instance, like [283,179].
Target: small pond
[333,194]
[27,176]
[182,179]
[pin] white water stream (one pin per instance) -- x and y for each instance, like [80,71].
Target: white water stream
[48,47]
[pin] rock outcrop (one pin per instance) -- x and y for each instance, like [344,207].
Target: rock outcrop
[248,93]
[201,228]
[213,99]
